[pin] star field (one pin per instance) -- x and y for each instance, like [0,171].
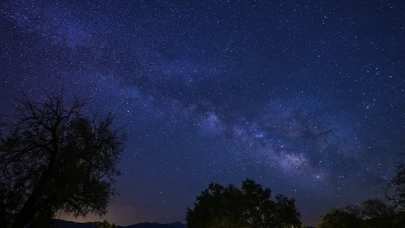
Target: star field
[306,97]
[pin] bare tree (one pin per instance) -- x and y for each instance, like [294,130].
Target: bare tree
[54,158]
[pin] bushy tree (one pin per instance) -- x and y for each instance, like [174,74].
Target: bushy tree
[340,218]
[106,224]
[55,158]
[373,213]
[248,206]
[370,214]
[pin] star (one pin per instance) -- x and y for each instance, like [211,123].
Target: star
[305,98]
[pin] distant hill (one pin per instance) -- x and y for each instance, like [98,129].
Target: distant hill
[157,225]
[69,224]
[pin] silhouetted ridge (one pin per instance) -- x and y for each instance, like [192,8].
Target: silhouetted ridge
[70,224]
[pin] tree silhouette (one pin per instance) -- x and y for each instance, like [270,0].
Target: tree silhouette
[398,185]
[55,158]
[106,224]
[249,206]
[371,213]
[340,218]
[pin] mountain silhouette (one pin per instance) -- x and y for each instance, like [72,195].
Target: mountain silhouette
[70,224]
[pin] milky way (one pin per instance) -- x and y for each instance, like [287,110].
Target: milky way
[305,97]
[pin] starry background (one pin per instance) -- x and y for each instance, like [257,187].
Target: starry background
[306,97]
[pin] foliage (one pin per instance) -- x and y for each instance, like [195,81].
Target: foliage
[106,224]
[371,213]
[340,218]
[249,206]
[398,186]
[54,158]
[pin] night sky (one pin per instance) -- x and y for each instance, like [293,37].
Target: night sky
[305,97]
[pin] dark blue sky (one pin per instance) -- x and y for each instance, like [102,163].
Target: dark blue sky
[306,97]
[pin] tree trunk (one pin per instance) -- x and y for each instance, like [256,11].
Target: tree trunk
[30,207]
[26,214]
